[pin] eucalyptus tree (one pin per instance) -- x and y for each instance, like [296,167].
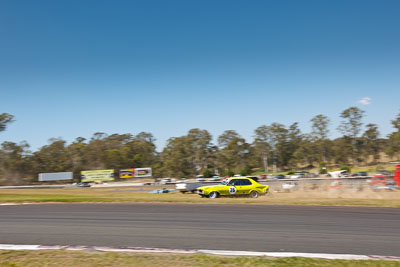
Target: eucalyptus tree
[293,143]
[351,126]
[15,163]
[52,157]
[320,132]
[226,137]
[188,155]
[128,151]
[76,154]
[103,150]
[371,141]
[342,150]
[305,153]
[233,153]
[140,152]
[202,149]
[275,143]
[5,119]
[393,146]
[175,158]
[95,150]
[277,139]
[261,145]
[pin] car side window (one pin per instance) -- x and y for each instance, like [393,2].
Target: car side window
[234,182]
[246,182]
[239,182]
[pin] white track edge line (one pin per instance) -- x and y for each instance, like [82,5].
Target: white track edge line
[201,251]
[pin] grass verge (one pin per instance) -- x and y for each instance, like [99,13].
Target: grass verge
[78,258]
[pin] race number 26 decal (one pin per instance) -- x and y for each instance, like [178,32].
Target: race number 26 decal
[232,190]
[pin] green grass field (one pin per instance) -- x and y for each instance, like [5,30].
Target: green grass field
[84,259]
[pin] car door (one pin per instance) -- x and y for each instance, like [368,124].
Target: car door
[245,187]
[233,187]
[223,188]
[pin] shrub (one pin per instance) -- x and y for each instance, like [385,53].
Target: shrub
[290,172]
[245,171]
[207,174]
[379,168]
[322,167]
[323,170]
[230,173]
[346,168]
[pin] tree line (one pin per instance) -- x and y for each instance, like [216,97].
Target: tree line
[274,147]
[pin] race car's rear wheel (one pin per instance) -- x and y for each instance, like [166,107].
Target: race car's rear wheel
[254,194]
[213,194]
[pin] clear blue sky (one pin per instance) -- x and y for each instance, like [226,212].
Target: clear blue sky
[72,68]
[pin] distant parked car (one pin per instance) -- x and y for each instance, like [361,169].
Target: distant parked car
[262,176]
[166,180]
[338,174]
[359,174]
[215,179]
[385,172]
[162,191]
[83,184]
[279,176]
[304,172]
[379,182]
[187,187]
[297,175]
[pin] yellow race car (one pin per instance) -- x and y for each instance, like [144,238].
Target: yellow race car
[234,186]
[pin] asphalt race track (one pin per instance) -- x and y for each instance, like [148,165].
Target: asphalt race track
[314,229]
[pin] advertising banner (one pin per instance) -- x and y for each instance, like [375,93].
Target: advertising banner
[98,175]
[143,172]
[135,173]
[127,173]
[55,176]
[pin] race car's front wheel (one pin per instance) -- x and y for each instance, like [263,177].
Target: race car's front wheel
[213,195]
[254,194]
